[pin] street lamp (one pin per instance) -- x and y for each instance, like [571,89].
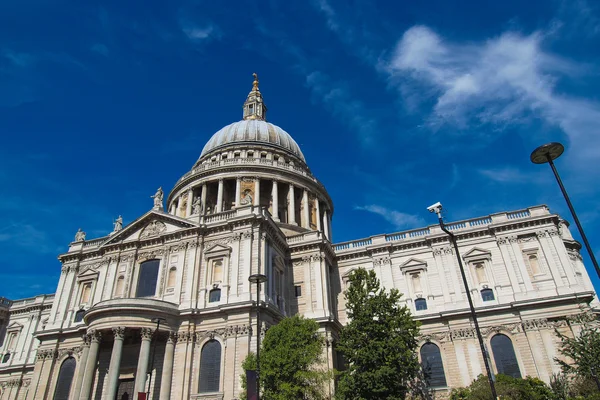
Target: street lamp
[258,279]
[437,208]
[158,321]
[547,153]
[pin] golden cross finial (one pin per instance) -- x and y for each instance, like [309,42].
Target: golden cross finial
[255,83]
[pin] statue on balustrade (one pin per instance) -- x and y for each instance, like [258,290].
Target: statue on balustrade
[158,199]
[118,224]
[197,206]
[80,235]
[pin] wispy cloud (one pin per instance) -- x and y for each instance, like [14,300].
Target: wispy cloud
[503,81]
[398,219]
[201,33]
[100,49]
[512,175]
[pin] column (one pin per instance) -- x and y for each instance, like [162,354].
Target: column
[81,366]
[514,245]
[142,367]
[326,224]
[178,209]
[238,191]
[190,200]
[115,362]
[220,196]
[305,210]
[291,206]
[257,192]
[90,365]
[318,211]
[167,369]
[203,199]
[173,209]
[275,201]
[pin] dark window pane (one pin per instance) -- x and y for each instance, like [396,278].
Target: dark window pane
[210,367]
[487,294]
[431,360]
[79,316]
[298,290]
[214,295]
[147,280]
[421,304]
[65,378]
[504,355]
[6,358]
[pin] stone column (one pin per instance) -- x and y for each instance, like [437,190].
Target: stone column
[115,362]
[257,191]
[81,367]
[238,191]
[305,210]
[220,196]
[318,211]
[291,206]
[142,367]
[326,224]
[167,369]
[275,201]
[203,199]
[190,200]
[90,365]
[173,208]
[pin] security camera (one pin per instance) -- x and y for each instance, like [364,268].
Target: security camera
[435,208]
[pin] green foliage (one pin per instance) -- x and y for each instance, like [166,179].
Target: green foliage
[584,351]
[506,387]
[289,361]
[378,343]
[574,387]
[249,364]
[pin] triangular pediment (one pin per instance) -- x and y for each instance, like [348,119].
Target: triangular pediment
[152,224]
[217,249]
[88,272]
[413,262]
[15,326]
[477,252]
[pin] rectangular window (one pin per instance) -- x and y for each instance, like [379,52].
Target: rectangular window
[217,271]
[298,290]
[147,279]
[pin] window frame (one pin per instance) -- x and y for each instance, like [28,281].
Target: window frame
[420,300]
[441,362]
[210,367]
[139,274]
[487,290]
[496,355]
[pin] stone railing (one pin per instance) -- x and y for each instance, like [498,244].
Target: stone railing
[94,242]
[453,226]
[5,302]
[304,237]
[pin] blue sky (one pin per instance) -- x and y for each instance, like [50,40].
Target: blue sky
[396,105]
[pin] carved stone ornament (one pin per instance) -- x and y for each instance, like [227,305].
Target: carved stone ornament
[541,234]
[119,332]
[461,334]
[172,337]
[380,261]
[95,335]
[147,333]
[184,337]
[502,240]
[154,228]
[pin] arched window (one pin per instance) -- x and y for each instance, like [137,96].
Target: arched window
[420,304]
[210,367]
[6,358]
[504,356]
[433,367]
[65,379]
[217,271]
[214,295]
[86,293]
[120,286]
[487,294]
[171,277]
[146,286]
[79,315]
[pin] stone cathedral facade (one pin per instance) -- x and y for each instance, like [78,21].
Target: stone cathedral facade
[164,306]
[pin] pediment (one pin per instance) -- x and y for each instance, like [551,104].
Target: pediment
[347,274]
[477,252]
[413,264]
[217,249]
[15,326]
[152,224]
[88,273]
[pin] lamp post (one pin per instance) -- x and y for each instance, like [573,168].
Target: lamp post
[158,321]
[547,153]
[437,208]
[258,279]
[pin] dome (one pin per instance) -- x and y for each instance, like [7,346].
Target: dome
[253,131]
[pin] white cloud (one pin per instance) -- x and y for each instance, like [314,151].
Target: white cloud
[502,81]
[514,175]
[399,219]
[197,33]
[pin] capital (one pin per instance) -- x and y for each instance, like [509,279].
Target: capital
[147,333]
[119,332]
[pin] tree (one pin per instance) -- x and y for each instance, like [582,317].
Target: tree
[378,343]
[290,361]
[584,351]
[507,387]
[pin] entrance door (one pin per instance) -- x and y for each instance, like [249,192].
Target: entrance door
[125,391]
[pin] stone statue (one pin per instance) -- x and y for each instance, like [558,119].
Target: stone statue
[197,206]
[118,224]
[158,199]
[246,198]
[80,235]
